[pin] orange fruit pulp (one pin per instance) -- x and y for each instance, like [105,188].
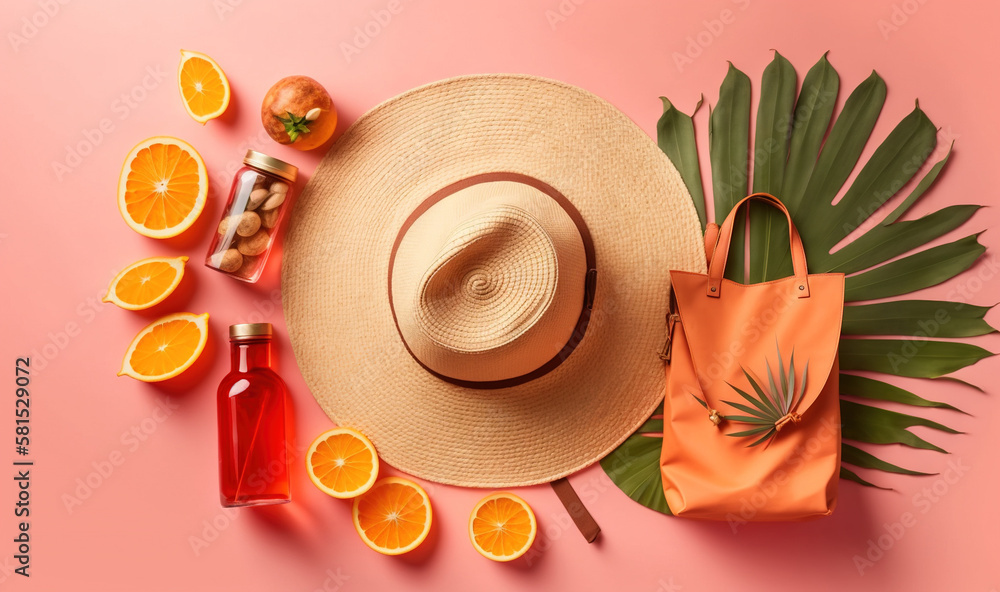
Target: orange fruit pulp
[342,463]
[163,187]
[502,527]
[166,347]
[203,85]
[146,282]
[394,516]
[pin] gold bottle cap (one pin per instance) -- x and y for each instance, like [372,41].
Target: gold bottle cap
[271,165]
[250,330]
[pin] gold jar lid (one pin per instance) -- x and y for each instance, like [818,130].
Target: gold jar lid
[271,165]
[250,330]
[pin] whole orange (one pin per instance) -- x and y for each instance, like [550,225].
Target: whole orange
[298,111]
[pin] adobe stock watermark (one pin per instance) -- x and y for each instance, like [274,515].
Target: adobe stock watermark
[223,176]
[668,585]
[879,545]
[754,328]
[898,17]
[212,528]
[711,30]
[263,309]
[131,440]
[57,341]
[915,167]
[121,108]
[7,568]
[766,490]
[31,25]
[957,298]
[224,8]
[333,581]
[773,146]
[561,13]
[366,33]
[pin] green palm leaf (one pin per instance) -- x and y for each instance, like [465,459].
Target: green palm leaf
[927,359]
[855,456]
[752,412]
[774,112]
[675,136]
[869,388]
[765,438]
[875,425]
[889,169]
[772,388]
[915,272]
[840,153]
[769,407]
[635,467]
[771,400]
[766,409]
[850,475]
[919,190]
[884,261]
[728,142]
[813,112]
[923,318]
[882,243]
[753,431]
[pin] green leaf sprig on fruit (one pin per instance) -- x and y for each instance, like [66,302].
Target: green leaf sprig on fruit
[297,111]
[295,125]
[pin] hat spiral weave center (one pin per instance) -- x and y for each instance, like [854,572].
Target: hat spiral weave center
[495,276]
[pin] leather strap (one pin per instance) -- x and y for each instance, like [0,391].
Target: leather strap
[721,252]
[711,238]
[577,511]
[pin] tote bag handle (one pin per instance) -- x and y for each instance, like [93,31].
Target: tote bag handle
[721,253]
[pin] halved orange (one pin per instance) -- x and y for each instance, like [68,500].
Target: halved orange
[203,84]
[146,282]
[394,516]
[342,463]
[166,347]
[502,527]
[162,187]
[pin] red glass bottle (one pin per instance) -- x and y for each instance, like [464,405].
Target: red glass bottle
[253,465]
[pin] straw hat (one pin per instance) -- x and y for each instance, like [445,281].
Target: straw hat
[439,278]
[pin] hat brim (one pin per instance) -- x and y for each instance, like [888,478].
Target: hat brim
[335,269]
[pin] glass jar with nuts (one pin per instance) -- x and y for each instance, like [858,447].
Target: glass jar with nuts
[256,206]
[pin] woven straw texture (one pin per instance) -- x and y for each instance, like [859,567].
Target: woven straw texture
[488,284]
[335,274]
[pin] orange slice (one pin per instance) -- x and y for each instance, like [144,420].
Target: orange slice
[394,516]
[502,527]
[342,463]
[162,187]
[203,85]
[166,347]
[146,282]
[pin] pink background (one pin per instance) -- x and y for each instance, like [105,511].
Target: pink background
[61,240]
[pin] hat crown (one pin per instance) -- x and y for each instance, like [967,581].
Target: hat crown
[494,279]
[488,282]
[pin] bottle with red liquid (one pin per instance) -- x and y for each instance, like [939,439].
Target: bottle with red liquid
[253,466]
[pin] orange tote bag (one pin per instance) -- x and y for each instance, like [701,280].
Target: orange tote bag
[751,418]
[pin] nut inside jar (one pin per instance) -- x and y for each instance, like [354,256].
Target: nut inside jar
[248,227]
